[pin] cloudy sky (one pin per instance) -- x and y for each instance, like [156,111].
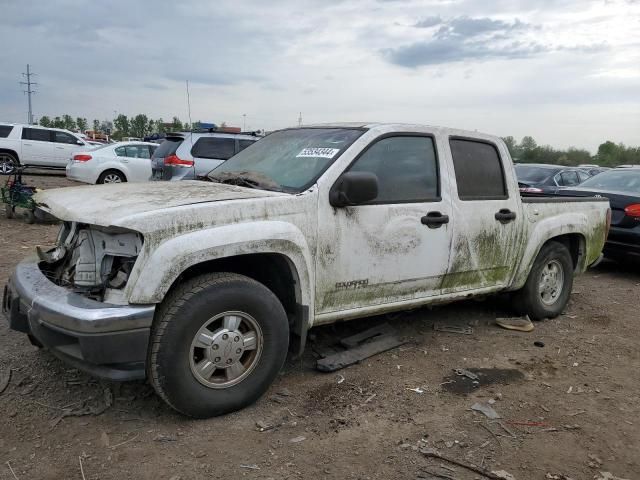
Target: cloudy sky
[565,71]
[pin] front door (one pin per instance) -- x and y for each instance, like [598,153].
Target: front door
[395,248]
[37,146]
[486,242]
[65,146]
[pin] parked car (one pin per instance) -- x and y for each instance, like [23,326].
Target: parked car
[203,286]
[32,145]
[622,188]
[544,178]
[113,163]
[190,155]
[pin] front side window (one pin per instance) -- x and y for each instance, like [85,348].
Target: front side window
[62,137]
[292,159]
[406,167]
[478,169]
[121,151]
[242,144]
[214,147]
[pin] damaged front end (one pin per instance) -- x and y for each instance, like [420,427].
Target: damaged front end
[91,260]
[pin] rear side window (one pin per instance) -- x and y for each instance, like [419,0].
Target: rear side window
[39,134]
[569,179]
[214,147]
[406,168]
[168,147]
[242,144]
[478,168]
[5,130]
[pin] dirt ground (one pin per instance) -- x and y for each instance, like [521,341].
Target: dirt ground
[569,409]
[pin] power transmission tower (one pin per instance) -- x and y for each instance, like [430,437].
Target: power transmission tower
[29,91]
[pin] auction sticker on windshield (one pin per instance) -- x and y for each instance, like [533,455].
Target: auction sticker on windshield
[318,152]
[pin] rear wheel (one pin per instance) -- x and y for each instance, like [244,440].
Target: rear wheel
[8,163]
[112,176]
[548,287]
[217,343]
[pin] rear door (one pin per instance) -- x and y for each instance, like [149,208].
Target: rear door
[138,161]
[486,231]
[38,147]
[209,152]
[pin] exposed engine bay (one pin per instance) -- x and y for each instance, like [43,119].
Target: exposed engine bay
[91,260]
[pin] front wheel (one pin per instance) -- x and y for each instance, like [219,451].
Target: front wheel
[548,287]
[217,343]
[8,163]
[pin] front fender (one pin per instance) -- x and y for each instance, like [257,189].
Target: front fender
[157,269]
[592,237]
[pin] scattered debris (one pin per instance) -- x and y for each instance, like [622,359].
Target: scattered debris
[504,475]
[90,406]
[5,378]
[81,469]
[521,324]
[162,437]
[126,441]
[298,439]
[486,409]
[250,467]
[463,384]
[358,338]
[557,476]
[11,470]
[608,476]
[527,424]
[465,373]
[579,412]
[358,353]
[264,426]
[429,452]
[284,392]
[538,343]
[460,329]
[340,379]
[370,397]
[417,390]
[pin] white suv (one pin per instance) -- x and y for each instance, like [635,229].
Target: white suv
[36,146]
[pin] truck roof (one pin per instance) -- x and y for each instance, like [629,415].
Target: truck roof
[411,127]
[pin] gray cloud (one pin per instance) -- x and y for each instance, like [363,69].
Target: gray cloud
[429,22]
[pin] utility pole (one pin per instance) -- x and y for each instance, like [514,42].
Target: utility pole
[244,122]
[300,120]
[29,91]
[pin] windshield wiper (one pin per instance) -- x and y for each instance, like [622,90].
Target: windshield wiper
[246,179]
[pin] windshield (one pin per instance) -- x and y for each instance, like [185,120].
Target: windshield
[615,181]
[292,160]
[527,173]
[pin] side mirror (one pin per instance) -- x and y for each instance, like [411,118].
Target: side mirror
[80,142]
[353,188]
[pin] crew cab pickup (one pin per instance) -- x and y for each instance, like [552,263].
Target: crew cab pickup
[204,286]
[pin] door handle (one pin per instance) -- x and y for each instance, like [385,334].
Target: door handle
[27,144]
[505,215]
[60,148]
[434,219]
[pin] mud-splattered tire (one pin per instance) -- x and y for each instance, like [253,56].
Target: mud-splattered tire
[548,287]
[217,343]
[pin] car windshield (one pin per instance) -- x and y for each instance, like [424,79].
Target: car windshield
[627,180]
[528,173]
[288,160]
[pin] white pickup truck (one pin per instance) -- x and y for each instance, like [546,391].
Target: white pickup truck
[203,287]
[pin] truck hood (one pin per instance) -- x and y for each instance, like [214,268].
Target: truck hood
[110,204]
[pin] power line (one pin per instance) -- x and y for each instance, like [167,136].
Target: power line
[29,91]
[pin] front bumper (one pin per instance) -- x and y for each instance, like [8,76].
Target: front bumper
[105,340]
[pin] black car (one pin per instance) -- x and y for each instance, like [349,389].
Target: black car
[544,178]
[622,187]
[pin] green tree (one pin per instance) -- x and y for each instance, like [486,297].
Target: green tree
[122,125]
[160,128]
[96,125]
[512,146]
[45,121]
[57,123]
[176,125]
[139,125]
[82,124]
[68,122]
